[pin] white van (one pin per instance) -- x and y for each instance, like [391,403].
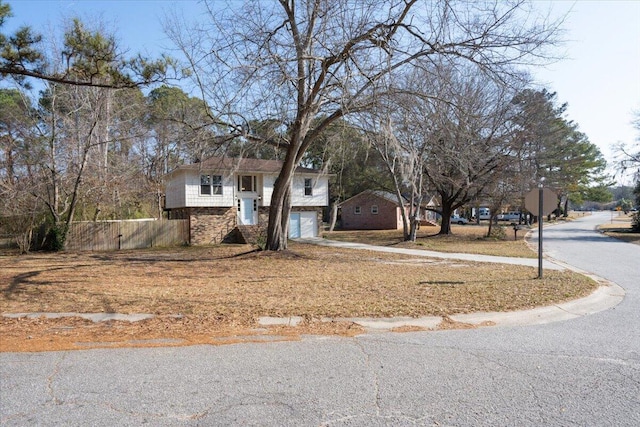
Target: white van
[509,216]
[484,213]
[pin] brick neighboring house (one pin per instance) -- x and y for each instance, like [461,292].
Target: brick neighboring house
[371,210]
[378,210]
[227,199]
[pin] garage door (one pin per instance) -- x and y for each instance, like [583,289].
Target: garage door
[303,224]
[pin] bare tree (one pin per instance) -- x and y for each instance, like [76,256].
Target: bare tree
[470,134]
[20,213]
[628,155]
[451,135]
[298,60]
[393,134]
[380,134]
[70,160]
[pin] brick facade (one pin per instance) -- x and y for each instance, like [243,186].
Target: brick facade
[208,225]
[387,217]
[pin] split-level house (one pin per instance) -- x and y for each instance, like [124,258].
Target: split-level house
[223,197]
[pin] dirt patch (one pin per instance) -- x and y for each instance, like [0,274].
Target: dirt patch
[201,294]
[74,333]
[448,323]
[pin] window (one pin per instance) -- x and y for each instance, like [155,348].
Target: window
[308,187]
[216,184]
[246,183]
[374,209]
[357,210]
[205,184]
[210,184]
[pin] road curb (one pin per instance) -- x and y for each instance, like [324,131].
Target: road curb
[605,297]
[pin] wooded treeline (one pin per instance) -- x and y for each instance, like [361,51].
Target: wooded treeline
[410,97]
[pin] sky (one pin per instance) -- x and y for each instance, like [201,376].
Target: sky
[599,75]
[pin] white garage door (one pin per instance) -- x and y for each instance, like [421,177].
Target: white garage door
[303,224]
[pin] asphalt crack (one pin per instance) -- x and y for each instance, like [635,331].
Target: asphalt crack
[51,378]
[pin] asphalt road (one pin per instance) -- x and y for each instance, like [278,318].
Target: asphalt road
[580,372]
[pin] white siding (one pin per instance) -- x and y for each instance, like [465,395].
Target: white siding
[193,198]
[183,190]
[320,192]
[267,189]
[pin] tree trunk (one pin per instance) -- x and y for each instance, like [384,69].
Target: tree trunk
[414,220]
[413,228]
[445,225]
[490,225]
[281,206]
[403,211]
[334,215]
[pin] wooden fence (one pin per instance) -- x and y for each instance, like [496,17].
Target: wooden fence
[128,234]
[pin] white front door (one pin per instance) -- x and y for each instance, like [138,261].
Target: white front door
[247,212]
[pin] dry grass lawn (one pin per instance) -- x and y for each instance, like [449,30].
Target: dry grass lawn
[619,227]
[216,294]
[468,238]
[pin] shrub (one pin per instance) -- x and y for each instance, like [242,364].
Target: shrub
[55,239]
[261,239]
[498,232]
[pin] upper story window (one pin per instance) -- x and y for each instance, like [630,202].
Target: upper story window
[357,210]
[247,183]
[308,187]
[210,185]
[374,209]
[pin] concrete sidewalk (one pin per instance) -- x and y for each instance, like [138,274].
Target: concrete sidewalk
[530,262]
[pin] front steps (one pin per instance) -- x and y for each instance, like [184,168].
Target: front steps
[251,234]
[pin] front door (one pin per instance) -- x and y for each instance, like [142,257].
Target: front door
[247,212]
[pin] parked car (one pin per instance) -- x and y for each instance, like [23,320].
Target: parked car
[455,219]
[509,216]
